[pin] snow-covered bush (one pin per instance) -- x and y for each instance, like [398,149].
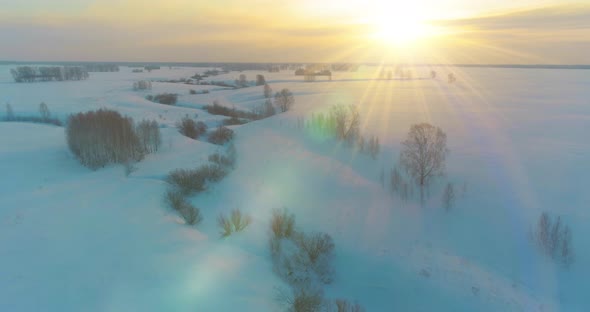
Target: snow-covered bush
[221,136]
[554,239]
[100,137]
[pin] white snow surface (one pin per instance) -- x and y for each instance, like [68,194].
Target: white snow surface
[73,239]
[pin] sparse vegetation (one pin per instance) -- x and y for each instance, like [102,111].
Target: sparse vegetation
[221,136]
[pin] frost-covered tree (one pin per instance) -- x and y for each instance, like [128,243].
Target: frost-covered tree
[424,153]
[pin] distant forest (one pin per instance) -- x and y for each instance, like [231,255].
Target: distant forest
[48,73]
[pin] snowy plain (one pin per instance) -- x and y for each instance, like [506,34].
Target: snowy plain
[72,239]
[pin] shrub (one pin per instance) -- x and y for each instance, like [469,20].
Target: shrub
[555,239]
[189,128]
[189,181]
[142,85]
[233,121]
[191,214]
[174,199]
[217,109]
[240,221]
[282,223]
[236,223]
[192,91]
[222,160]
[163,98]
[307,300]
[149,135]
[225,225]
[221,136]
[317,250]
[342,305]
[100,137]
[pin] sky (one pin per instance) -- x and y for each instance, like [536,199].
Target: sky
[420,31]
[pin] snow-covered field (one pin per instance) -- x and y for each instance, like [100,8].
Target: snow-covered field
[72,239]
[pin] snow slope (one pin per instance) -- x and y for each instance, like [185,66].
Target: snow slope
[72,239]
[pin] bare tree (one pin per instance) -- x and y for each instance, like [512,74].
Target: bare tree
[267,91]
[424,153]
[260,80]
[44,111]
[9,112]
[284,100]
[347,121]
[448,199]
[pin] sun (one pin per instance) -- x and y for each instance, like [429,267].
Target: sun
[400,26]
[400,31]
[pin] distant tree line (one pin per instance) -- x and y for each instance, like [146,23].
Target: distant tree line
[48,73]
[101,68]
